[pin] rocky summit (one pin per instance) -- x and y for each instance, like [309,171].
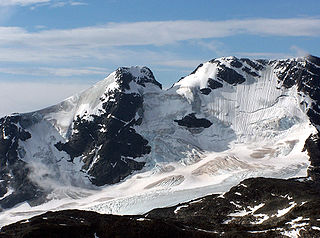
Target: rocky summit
[126,146]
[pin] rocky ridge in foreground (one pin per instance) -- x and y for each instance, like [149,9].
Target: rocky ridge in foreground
[257,207]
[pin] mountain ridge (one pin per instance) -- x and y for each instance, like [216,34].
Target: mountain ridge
[228,120]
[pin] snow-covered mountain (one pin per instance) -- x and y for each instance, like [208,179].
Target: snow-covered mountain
[126,146]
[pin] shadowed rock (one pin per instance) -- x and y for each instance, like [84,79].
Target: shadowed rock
[191,121]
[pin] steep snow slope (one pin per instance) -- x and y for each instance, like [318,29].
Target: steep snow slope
[90,101]
[228,120]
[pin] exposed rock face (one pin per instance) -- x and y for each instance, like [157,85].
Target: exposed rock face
[256,65]
[230,76]
[191,121]
[213,84]
[108,142]
[85,224]
[248,71]
[312,145]
[205,91]
[15,186]
[196,69]
[257,207]
[236,63]
[305,74]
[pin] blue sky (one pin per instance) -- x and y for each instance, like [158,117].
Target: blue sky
[50,49]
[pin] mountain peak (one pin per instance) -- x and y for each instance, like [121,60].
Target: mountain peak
[140,75]
[313,59]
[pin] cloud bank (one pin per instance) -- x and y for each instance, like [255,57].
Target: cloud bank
[101,42]
[159,32]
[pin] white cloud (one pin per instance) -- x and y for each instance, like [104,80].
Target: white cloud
[105,42]
[215,46]
[73,3]
[61,3]
[298,52]
[37,3]
[65,72]
[60,72]
[159,33]
[21,2]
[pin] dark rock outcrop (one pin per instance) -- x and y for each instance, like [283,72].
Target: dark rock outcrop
[306,75]
[248,71]
[85,224]
[196,69]
[14,171]
[213,84]
[124,77]
[110,137]
[205,91]
[256,65]
[312,146]
[191,121]
[236,63]
[257,207]
[230,75]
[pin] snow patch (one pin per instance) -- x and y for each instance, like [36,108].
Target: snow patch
[8,193]
[286,210]
[25,221]
[249,210]
[178,208]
